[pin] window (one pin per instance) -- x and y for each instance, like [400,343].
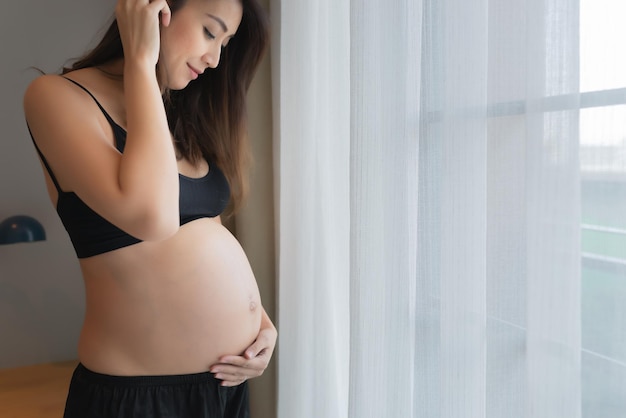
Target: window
[603,198]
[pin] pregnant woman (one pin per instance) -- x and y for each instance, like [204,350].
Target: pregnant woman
[143,144]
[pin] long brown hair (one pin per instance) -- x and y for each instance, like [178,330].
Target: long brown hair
[208,118]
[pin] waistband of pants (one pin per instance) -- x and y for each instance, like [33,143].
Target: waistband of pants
[86,375]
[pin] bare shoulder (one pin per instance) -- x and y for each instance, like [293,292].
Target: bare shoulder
[70,131]
[53,98]
[43,91]
[54,107]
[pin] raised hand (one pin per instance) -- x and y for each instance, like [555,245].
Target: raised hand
[138,22]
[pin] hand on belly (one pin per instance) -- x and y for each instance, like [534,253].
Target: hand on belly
[198,301]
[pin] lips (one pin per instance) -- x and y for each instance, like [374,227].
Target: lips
[194,72]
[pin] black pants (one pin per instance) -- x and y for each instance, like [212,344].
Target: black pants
[95,395]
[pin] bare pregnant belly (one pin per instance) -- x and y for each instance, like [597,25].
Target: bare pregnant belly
[170,307]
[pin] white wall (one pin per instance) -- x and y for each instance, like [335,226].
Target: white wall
[41,291]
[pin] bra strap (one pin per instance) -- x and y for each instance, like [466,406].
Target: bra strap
[119,132]
[43,159]
[106,115]
[45,162]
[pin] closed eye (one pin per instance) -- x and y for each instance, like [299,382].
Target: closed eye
[208,34]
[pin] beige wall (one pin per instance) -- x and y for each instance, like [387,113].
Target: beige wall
[255,224]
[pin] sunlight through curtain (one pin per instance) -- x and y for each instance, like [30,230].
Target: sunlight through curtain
[429,210]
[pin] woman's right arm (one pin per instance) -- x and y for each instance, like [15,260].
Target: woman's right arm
[137,190]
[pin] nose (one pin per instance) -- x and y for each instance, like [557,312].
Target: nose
[212,56]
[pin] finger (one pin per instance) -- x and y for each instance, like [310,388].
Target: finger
[227,383]
[260,361]
[255,349]
[252,352]
[161,7]
[233,377]
[251,369]
[234,360]
[238,376]
[166,15]
[232,370]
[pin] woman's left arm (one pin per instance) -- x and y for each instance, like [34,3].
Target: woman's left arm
[234,370]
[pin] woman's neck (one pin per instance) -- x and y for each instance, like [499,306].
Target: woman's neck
[113,69]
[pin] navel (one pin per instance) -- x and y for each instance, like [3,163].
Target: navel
[252,303]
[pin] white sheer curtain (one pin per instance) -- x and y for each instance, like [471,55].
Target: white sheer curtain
[311,82]
[429,211]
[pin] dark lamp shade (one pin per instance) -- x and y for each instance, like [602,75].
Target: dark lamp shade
[21,228]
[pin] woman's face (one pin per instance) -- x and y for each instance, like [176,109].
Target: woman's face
[194,39]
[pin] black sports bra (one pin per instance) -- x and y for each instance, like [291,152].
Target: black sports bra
[91,234]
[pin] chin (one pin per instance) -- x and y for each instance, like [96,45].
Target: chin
[178,85]
[181,87]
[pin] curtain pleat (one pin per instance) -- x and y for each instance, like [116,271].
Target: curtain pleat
[312,157]
[385,69]
[553,212]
